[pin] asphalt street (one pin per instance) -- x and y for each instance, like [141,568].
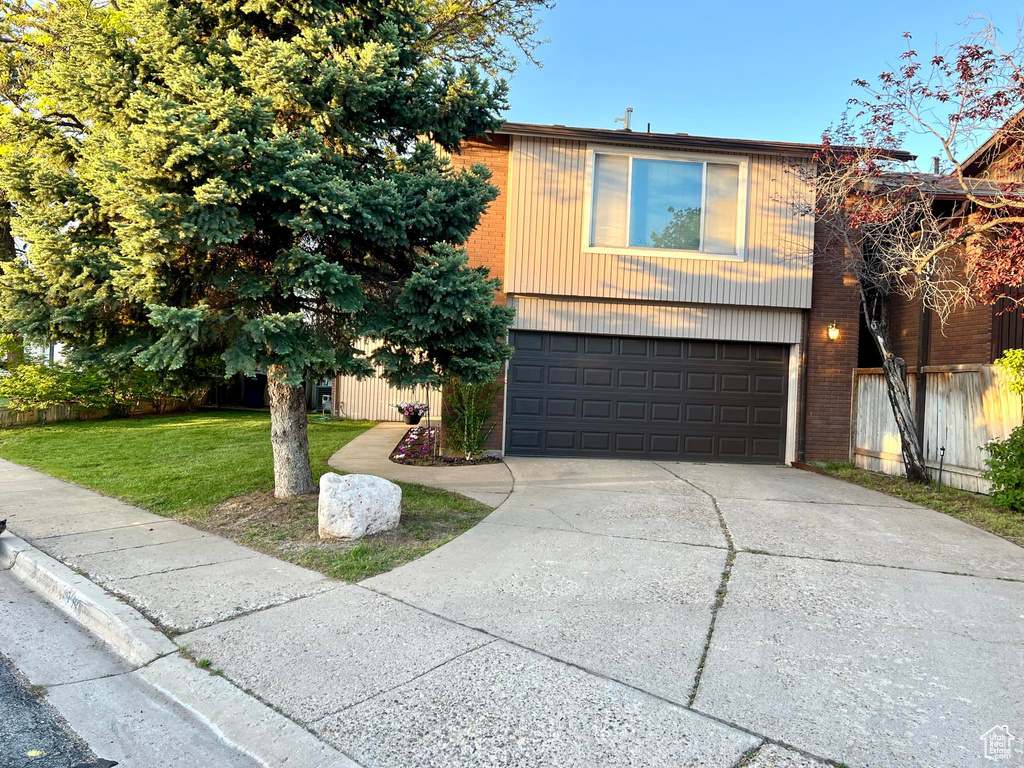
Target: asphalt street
[31,732]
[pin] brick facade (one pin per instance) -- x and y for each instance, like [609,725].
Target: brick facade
[965,338]
[830,364]
[486,246]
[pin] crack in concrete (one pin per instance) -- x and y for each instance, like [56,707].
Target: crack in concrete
[186,567]
[412,679]
[174,633]
[841,561]
[592,672]
[723,585]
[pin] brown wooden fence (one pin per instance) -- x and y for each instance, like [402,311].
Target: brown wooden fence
[12,418]
[965,407]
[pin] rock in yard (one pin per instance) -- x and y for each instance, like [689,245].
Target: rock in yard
[353,506]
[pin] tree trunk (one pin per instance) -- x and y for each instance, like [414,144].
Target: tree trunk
[876,314]
[895,369]
[288,437]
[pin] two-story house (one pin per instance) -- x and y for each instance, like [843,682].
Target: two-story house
[666,303]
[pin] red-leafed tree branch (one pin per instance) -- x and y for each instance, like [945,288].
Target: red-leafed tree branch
[948,236]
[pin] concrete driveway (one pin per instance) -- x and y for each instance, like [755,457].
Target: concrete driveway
[616,613]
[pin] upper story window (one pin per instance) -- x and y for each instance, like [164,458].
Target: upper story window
[671,204]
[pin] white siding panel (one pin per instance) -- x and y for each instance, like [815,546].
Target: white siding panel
[374,399]
[616,318]
[545,255]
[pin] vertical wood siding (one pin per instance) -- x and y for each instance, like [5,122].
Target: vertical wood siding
[547,179]
[965,407]
[373,398]
[617,318]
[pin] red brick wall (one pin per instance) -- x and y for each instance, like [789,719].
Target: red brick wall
[486,246]
[965,338]
[830,364]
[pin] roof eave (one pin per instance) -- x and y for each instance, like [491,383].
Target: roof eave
[668,140]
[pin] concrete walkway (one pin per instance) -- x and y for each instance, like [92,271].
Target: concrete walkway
[606,614]
[369,454]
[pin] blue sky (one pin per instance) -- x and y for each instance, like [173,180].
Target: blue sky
[736,69]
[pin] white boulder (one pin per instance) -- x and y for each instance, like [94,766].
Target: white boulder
[353,506]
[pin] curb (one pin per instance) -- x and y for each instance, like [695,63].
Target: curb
[236,717]
[242,721]
[115,622]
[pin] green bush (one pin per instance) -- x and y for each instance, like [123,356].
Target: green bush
[467,416]
[1012,363]
[37,386]
[30,387]
[1006,470]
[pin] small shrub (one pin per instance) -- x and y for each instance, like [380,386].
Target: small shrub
[468,409]
[30,387]
[1006,470]
[1012,363]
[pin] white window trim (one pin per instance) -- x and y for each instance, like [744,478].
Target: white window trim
[644,154]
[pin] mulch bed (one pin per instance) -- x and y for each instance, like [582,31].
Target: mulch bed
[416,449]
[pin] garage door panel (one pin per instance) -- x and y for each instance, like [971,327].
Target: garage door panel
[525,406]
[525,341]
[632,379]
[702,350]
[766,447]
[598,345]
[598,377]
[634,347]
[575,394]
[561,407]
[670,412]
[631,410]
[667,348]
[560,440]
[595,441]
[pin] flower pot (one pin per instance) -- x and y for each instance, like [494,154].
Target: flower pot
[412,419]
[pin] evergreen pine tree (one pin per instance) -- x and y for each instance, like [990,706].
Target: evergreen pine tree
[256,184]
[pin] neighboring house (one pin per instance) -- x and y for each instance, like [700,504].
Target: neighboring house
[665,304]
[980,334]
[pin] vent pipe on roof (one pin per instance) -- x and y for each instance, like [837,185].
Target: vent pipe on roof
[935,165]
[626,119]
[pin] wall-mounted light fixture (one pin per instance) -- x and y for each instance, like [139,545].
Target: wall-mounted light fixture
[833,331]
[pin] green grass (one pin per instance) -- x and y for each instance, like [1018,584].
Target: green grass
[169,464]
[973,508]
[214,470]
[288,530]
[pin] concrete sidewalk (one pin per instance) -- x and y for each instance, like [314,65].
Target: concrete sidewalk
[351,666]
[369,454]
[607,613]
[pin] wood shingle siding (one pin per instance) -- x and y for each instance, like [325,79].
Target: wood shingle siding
[545,228]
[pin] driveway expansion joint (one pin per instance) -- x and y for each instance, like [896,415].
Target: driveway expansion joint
[686,706]
[404,683]
[605,535]
[172,633]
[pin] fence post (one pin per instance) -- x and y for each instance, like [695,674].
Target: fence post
[853,418]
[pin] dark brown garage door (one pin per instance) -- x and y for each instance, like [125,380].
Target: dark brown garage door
[613,396]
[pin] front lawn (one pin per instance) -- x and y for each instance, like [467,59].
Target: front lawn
[214,470]
[171,465]
[973,508]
